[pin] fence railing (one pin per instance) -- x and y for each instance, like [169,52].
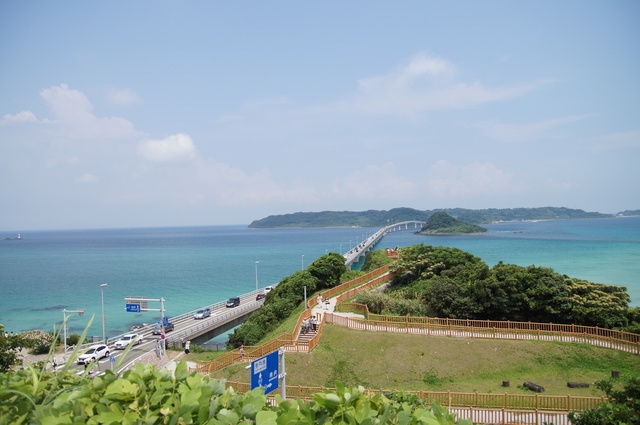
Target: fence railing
[492,404]
[481,408]
[616,340]
[288,340]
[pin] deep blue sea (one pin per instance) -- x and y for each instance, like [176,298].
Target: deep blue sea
[48,271]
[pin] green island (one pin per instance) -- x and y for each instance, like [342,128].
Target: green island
[427,281]
[441,223]
[377,218]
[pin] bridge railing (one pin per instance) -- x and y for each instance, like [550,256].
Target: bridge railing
[147,328]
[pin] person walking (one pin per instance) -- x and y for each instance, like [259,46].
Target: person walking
[187,347]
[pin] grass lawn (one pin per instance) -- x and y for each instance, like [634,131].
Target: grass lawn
[435,363]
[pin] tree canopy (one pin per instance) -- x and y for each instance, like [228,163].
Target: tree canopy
[451,283]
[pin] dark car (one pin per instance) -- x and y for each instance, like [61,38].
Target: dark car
[260,297]
[233,302]
[157,329]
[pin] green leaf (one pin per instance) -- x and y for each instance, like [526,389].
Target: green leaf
[266,417]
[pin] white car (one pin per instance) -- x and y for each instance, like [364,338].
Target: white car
[126,340]
[95,352]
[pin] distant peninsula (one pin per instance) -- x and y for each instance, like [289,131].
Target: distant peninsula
[441,223]
[377,218]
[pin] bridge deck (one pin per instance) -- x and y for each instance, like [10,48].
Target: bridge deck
[360,250]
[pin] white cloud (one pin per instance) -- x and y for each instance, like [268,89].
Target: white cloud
[74,116]
[177,147]
[374,183]
[447,180]
[424,83]
[623,140]
[123,97]
[24,116]
[513,133]
[87,179]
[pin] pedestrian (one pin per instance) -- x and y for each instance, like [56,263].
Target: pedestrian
[187,346]
[241,353]
[326,305]
[319,300]
[314,324]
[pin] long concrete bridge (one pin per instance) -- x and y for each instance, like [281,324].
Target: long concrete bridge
[222,320]
[360,250]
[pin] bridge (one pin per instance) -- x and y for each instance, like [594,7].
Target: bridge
[222,320]
[360,250]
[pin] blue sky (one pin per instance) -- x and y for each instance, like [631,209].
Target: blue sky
[166,113]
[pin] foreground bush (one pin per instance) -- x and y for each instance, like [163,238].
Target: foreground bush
[145,395]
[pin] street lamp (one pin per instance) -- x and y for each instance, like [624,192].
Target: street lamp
[302,263]
[257,275]
[104,319]
[64,324]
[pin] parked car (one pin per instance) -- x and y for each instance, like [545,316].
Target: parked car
[126,340]
[233,302]
[260,297]
[157,329]
[95,352]
[202,313]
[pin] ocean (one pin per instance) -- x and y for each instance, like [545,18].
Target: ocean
[189,267]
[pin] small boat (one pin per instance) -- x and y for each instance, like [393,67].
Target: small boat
[19,238]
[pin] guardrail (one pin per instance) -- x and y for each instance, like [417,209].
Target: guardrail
[210,323]
[145,330]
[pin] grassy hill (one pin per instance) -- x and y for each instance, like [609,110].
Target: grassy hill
[433,363]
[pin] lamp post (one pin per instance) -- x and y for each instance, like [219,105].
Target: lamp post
[64,324]
[257,275]
[302,263]
[104,319]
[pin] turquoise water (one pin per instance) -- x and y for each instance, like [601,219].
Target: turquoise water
[48,271]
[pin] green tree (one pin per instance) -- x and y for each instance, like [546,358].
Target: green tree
[9,350]
[596,304]
[622,407]
[328,269]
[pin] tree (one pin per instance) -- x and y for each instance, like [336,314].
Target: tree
[622,408]
[328,269]
[9,347]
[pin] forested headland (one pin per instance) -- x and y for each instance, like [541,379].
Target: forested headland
[379,218]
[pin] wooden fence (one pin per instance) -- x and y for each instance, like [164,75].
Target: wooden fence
[481,408]
[289,340]
[616,340]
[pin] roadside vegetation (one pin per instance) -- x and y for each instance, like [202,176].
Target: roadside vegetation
[450,283]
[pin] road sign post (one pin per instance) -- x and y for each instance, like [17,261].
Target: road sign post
[265,372]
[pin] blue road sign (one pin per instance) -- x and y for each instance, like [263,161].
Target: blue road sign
[133,308]
[264,372]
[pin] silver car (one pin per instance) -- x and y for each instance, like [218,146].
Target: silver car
[95,352]
[202,313]
[126,340]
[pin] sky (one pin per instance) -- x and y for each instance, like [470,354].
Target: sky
[182,113]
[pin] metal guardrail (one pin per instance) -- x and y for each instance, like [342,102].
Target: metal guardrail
[146,330]
[214,320]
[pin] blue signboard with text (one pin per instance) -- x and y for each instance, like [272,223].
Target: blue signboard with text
[133,308]
[265,372]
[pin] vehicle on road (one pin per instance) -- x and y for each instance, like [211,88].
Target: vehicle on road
[126,340]
[233,302]
[202,313]
[260,297]
[95,352]
[268,289]
[157,328]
